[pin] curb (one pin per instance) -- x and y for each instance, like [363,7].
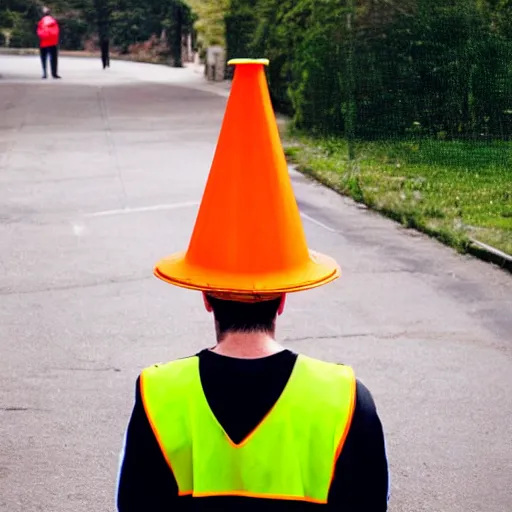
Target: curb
[475,248]
[490,254]
[74,54]
[77,55]
[35,51]
[18,51]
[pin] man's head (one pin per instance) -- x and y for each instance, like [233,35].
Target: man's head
[46,11]
[249,317]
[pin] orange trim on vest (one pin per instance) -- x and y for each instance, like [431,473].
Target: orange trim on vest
[343,437]
[246,494]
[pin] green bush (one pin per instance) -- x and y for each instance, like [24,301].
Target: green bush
[425,68]
[241,24]
[20,18]
[7,18]
[73,31]
[23,35]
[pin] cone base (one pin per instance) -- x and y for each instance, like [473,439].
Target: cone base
[317,271]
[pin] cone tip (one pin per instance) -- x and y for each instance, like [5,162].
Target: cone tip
[234,62]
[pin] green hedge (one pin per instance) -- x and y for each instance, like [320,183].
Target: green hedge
[428,66]
[23,35]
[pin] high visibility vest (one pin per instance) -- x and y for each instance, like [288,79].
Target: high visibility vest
[290,455]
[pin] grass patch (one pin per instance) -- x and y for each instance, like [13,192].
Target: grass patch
[451,190]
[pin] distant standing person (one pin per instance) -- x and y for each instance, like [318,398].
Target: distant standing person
[105,57]
[48,33]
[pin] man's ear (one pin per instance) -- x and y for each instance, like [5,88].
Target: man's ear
[207,305]
[282,304]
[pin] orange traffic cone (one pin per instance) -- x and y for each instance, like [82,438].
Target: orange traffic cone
[248,237]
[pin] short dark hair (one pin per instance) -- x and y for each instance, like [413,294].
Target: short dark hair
[234,316]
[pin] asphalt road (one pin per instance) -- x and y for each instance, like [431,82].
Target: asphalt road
[100,176]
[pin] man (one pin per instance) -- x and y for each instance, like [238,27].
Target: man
[48,33]
[249,425]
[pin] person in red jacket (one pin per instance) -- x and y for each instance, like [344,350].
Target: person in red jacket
[48,33]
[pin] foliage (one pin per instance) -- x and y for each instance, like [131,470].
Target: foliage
[124,22]
[18,19]
[209,22]
[73,30]
[430,66]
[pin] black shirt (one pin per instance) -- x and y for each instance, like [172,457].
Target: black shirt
[240,392]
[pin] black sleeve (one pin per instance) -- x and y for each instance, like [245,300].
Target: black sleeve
[145,480]
[361,479]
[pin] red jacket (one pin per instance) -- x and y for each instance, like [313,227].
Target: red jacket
[48,32]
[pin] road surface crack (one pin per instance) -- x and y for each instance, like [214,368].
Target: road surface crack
[73,286]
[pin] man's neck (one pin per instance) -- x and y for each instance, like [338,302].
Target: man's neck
[247,345]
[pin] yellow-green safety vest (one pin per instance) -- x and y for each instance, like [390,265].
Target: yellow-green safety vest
[290,455]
